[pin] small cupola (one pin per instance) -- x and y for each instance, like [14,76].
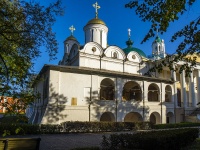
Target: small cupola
[130,48]
[158,48]
[70,41]
[96,29]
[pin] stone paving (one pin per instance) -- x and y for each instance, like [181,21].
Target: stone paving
[70,140]
[67,141]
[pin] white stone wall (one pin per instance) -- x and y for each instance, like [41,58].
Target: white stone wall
[111,64]
[66,86]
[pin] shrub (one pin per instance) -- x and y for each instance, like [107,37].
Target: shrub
[69,127]
[176,125]
[103,126]
[14,119]
[166,139]
[17,128]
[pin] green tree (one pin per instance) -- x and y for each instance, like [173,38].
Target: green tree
[160,13]
[24,28]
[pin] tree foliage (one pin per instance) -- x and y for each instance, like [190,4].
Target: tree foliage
[24,28]
[160,13]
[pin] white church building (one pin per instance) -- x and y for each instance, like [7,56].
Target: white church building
[101,82]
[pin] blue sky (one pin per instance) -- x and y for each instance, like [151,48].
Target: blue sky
[117,18]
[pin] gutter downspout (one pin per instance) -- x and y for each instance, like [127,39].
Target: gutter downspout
[161,102]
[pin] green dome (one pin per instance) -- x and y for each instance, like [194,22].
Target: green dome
[129,49]
[158,39]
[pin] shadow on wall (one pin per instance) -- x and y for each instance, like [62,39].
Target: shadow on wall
[53,108]
[111,110]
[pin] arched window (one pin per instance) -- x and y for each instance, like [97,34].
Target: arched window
[115,55]
[108,117]
[153,93]
[131,91]
[179,97]
[159,48]
[168,93]
[133,117]
[107,91]
[155,118]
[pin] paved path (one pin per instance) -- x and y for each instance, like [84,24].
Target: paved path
[68,141]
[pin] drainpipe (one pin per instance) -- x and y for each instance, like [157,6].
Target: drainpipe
[100,62]
[161,101]
[143,102]
[90,100]
[89,104]
[116,100]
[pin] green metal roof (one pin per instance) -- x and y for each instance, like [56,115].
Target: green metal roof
[158,39]
[129,49]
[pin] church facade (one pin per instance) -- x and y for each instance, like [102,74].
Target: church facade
[101,82]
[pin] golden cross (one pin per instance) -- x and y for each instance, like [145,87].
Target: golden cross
[72,29]
[129,33]
[96,6]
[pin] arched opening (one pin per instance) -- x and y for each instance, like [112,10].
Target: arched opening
[159,48]
[132,91]
[153,93]
[107,91]
[155,118]
[179,97]
[168,93]
[108,117]
[170,117]
[133,117]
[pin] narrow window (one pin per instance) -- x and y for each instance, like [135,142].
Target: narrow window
[115,55]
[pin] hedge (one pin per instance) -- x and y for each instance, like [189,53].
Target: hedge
[176,125]
[70,127]
[104,126]
[165,139]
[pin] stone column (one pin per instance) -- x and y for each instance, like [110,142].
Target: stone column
[118,96]
[145,90]
[191,90]
[198,85]
[174,90]
[183,89]
[119,89]
[162,99]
